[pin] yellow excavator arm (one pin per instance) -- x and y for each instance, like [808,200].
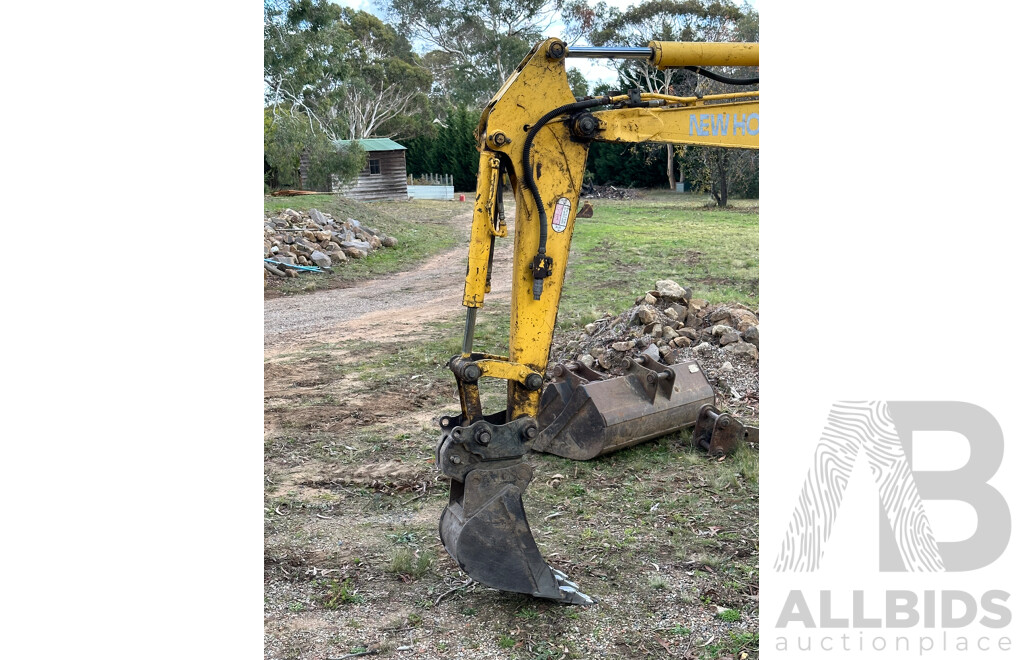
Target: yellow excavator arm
[535,132]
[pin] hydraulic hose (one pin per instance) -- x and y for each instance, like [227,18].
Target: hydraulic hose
[717,77]
[528,167]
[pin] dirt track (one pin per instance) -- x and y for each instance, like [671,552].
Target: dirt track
[383,308]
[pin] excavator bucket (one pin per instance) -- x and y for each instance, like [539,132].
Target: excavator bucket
[586,414]
[484,526]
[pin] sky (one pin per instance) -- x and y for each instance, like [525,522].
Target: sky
[594,71]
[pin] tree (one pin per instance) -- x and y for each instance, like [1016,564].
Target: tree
[450,148]
[388,84]
[475,44]
[346,71]
[668,20]
[287,137]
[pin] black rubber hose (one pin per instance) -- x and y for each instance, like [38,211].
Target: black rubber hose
[528,168]
[717,77]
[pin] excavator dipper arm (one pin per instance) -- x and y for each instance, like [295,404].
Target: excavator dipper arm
[537,134]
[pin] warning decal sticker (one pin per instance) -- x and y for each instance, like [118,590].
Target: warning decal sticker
[561,218]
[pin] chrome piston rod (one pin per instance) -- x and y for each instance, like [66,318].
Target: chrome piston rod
[615,52]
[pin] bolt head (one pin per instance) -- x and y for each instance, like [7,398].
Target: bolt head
[483,438]
[455,459]
[531,432]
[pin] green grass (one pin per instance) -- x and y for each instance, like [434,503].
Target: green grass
[732,616]
[627,246]
[732,645]
[340,593]
[660,502]
[404,561]
[422,228]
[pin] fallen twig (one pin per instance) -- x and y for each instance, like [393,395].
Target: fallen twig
[462,585]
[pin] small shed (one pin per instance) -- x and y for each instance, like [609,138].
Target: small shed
[384,174]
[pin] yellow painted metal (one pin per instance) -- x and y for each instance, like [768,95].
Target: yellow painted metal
[720,125]
[481,231]
[499,368]
[538,86]
[676,54]
[701,100]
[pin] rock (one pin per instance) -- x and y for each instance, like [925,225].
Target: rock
[623,345]
[666,354]
[719,330]
[687,332]
[668,333]
[273,270]
[672,314]
[309,236]
[671,291]
[320,259]
[607,361]
[698,304]
[681,342]
[597,351]
[318,217]
[360,245]
[274,249]
[590,328]
[704,348]
[285,259]
[294,214]
[750,335]
[646,314]
[742,319]
[389,241]
[727,366]
[338,256]
[742,349]
[653,352]
[650,300]
[720,315]
[354,252]
[587,361]
[728,337]
[322,236]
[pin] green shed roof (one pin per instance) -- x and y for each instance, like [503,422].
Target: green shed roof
[373,144]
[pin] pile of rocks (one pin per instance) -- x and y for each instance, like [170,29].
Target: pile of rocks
[669,325]
[313,238]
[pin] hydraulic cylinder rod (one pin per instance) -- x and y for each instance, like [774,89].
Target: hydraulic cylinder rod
[664,54]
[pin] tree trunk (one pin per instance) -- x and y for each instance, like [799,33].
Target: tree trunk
[668,166]
[304,169]
[723,182]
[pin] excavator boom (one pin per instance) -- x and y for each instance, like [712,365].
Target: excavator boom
[536,134]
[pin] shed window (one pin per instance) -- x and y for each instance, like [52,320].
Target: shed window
[374,166]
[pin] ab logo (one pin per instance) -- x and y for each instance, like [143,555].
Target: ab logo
[882,430]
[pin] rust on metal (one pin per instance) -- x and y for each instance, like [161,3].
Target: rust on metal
[720,433]
[584,414]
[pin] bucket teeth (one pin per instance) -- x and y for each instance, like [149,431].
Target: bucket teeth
[571,593]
